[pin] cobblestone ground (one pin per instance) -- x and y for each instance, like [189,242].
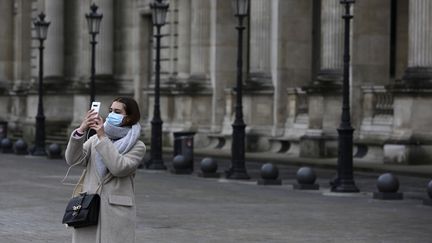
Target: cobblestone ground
[187,208]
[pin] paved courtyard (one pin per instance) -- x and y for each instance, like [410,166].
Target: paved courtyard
[187,208]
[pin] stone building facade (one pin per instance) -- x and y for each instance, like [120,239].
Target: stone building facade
[293,72]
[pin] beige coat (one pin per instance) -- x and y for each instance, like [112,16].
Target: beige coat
[117,218]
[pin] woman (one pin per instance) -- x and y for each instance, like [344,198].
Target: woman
[111,158]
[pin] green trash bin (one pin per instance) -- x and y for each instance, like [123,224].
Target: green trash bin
[183,145]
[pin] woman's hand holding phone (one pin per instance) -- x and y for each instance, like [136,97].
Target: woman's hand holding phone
[98,126]
[93,120]
[88,121]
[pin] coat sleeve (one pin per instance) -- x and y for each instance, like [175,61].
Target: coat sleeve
[78,150]
[120,165]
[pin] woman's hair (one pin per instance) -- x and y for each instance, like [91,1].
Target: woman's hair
[132,110]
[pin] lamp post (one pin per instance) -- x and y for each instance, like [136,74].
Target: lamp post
[345,180]
[238,168]
[93,21]
[41,27]
[159,8]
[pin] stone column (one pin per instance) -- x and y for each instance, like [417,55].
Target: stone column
[6,56]
[145,61]
[260,32]
[419,43]
[126,54]
[411,137]
[105,39]
[77,46]
[168,52]
[7,44]
[371,73]
[291,63]
[223,62]
[184,38]
[331,41]
[54,44]
[371,36]
[22,45]
[17,102]
[324,96]
[54,51]
[200,41]
[77,57]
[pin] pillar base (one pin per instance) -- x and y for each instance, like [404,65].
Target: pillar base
[312,146]
[330,76]
[413,154]
[418,76]
[415,80]
[258,81]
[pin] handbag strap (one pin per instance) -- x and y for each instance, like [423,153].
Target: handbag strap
[79,186]
[70,167]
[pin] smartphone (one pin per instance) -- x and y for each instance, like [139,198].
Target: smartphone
[95,106]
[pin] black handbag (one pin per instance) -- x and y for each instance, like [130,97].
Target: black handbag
[82,210]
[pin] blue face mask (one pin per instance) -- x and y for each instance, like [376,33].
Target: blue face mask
[115,119]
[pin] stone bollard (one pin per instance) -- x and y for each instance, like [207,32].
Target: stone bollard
[388,185]
[428,201]
[180,165]
[20,147]
[269,175]
[54,151]
[306,178]
[6,146]
[209,168]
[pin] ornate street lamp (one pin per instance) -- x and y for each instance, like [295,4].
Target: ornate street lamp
[93,21]
[160,8]
[345,180]
[238,168]
[41,28]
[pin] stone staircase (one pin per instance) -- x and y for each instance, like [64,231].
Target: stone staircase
[59,135]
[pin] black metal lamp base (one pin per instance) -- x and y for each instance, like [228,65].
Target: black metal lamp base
[237,174]
[268,182]
[209,175]
[388,195]
[56,156]
[306,186]
[21,152]
[6,150]
[181,171]
[156,166]
[345,187]
[38,151]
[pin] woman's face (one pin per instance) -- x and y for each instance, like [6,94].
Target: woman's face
[118,107]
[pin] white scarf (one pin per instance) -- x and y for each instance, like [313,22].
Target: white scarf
[124,138]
